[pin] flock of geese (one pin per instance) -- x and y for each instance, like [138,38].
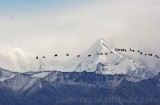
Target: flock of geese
[116,49]
[140,52]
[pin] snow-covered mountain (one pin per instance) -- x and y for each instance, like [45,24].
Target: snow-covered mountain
[44,87]
[6,74]
[98,71]
[99,58]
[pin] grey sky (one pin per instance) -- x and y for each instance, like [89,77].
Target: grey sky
[73,26]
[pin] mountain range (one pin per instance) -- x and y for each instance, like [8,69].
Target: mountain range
[102,60]
[99,76]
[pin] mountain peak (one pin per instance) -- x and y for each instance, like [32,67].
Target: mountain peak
[100,58]
[104,60]
[101,42]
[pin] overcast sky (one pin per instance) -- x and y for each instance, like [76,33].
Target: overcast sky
[45,27]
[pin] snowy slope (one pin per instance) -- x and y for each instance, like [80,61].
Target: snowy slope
[20,82]
[41,74]
[104,60]
[5,74]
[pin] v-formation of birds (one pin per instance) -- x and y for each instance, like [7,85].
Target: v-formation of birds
[116,49]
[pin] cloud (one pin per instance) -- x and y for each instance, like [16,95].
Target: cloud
[69,28]
[15,59]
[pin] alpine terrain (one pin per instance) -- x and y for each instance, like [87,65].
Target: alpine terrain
[100,76]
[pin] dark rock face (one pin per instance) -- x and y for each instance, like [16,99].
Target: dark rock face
[100,67]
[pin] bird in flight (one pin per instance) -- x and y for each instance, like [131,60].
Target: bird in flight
[89,55]
[37,57]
